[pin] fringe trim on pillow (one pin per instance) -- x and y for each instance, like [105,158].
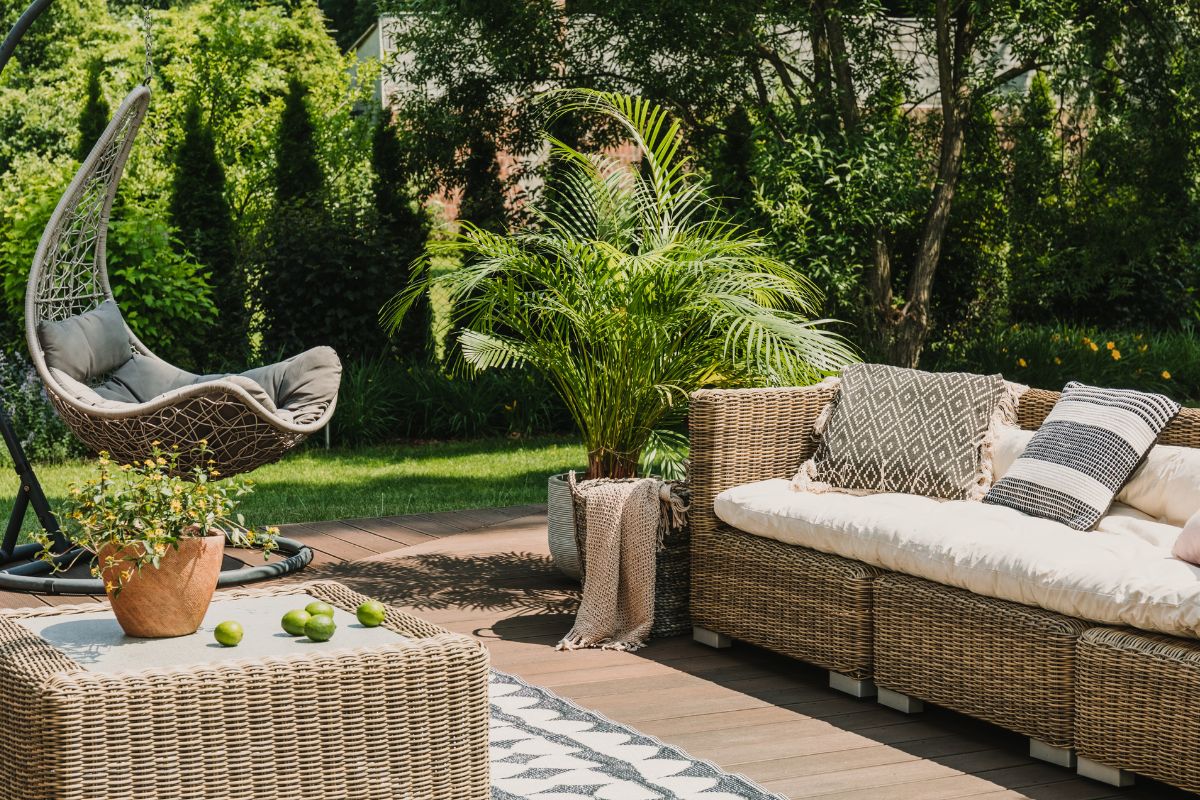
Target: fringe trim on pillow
[1004,415]
[806,478]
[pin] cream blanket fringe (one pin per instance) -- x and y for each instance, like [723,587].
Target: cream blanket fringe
[625,526]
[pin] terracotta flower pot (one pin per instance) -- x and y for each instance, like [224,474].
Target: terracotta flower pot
[171,600]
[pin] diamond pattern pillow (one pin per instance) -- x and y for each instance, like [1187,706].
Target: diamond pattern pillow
[902,430]
[1087,448]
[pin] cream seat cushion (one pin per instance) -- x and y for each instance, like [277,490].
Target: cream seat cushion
[1121,573]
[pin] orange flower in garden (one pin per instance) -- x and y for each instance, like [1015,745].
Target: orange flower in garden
[1116,354]
[1021,362]
[1166,375]
[1093,345]
[1111,345]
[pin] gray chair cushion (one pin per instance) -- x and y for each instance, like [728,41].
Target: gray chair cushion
[87,346]
[304,384]
[297,390]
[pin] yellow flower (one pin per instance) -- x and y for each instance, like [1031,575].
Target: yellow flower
[1110,345]
[1086,340]
[214,473]
[1116,354]
[108,586]
[1057,360]
[1137,337]
[148,463]
[1021,362]
[1166,375]
[1092,345]
[1143,348]
[162,462]
[155,443]
[176,506]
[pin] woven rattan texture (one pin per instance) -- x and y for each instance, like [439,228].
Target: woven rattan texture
[403,720]
[1006,663]
[1183,431]
[238,439]
[69,276]
[792,600]
[1138,698]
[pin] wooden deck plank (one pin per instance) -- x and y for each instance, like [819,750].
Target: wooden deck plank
[400,535]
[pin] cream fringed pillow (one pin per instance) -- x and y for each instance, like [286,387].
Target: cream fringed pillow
[890,429]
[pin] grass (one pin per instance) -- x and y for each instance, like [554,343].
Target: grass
[316,484]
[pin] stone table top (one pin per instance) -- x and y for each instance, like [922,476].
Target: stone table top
[95,641]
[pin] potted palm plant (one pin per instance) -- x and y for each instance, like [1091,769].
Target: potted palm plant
[157,537]
[628,291]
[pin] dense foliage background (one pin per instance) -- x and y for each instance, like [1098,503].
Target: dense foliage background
[271,205]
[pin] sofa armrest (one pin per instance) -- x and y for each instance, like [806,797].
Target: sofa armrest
[744,435]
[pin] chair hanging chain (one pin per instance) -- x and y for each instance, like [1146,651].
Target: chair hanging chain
[148,38]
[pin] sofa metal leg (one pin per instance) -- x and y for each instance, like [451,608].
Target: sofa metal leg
[1113,776]
[1059,756]
[851,686]
[901,702]
[711,638]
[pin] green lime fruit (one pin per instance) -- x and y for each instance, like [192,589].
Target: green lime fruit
[229,633]
[371,613]
[320,628]
[319,608]
[295,620]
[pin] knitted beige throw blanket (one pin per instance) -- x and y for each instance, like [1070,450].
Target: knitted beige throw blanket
[625,525]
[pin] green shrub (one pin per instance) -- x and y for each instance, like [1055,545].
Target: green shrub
[1047,356]
[383,400]
[43,435]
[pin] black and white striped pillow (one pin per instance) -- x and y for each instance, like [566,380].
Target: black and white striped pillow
[1091,442]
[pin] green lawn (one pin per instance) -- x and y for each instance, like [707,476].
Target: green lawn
[316,484]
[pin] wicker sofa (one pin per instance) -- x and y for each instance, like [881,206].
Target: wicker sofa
[1110,701]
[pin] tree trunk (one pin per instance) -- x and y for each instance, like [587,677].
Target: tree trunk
[906,329]
[604,463]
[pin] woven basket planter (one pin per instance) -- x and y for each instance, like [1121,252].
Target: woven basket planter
[560,527]
[672,573]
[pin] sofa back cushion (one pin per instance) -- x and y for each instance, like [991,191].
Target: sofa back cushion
[890,429]
[1083,454]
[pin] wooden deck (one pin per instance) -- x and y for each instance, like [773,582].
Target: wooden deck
[487,573]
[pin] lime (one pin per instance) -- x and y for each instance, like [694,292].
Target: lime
[319,607]
[371,613]
[320,628]
[229,633]
[293,621]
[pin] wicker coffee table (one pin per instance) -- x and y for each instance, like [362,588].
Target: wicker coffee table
[399,711]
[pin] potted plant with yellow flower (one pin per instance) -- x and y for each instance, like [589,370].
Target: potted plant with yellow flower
[158,536]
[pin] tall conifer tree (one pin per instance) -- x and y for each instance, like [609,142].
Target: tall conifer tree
[200,212]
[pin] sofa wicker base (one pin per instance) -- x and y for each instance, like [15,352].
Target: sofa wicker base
[1006,663]
[1138,706]
[792,600]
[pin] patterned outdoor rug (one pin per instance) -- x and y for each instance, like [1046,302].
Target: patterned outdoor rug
[545,747]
